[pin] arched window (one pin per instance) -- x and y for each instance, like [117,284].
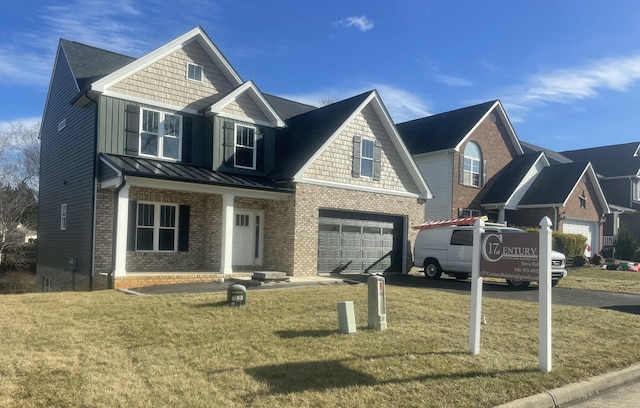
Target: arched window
[472,167]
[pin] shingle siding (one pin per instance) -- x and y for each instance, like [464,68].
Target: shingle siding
[66,177]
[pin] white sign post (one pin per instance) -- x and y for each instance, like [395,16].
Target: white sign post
[544,300]
[520,264]
[476,290]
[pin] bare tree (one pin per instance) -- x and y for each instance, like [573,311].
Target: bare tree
[19,174]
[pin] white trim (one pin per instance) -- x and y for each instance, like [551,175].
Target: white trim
[245,119]
[120,256]
[189,63]
[160,135]
[363,158]
[205,188]
[196,34]
[254,148]
[63,217]
[155,104]
[226,261]
[254,93]
[157,206]
[366,189]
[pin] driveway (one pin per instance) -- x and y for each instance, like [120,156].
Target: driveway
[622,302]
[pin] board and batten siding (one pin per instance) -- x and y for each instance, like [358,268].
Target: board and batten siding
[265,144]
[165,80]
[66,176]
[334,164]
[112,123]
[437,169]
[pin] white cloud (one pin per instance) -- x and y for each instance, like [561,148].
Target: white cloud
[453,81]
[361,23]
[401,104]
[568,85]
[27,122]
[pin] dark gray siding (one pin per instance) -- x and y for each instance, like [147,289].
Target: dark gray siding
[196,136]
[265,144]
[66,176]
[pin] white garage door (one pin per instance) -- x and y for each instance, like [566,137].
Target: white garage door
[587,228]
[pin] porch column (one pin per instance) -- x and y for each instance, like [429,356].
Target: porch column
[122,212]
[227,234]
[501,215]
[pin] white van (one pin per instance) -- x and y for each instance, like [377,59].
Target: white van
[447,249]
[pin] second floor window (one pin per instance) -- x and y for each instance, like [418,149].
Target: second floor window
[245,147]
[366,158]
[471,166]
[160,134]
[636,190]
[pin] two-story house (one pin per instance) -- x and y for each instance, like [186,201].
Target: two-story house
[171,168]
[618,170]
[476,165]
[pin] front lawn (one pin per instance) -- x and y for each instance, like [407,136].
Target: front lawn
[107,349]
[594,278]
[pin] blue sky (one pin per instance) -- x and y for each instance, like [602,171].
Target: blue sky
[567,72]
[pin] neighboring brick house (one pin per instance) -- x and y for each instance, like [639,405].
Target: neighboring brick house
[476,165]
[171,168]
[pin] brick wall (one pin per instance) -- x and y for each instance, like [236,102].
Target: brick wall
[497,150]
[310,198]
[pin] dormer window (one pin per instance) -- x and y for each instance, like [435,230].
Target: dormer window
[194,72]
[245,147]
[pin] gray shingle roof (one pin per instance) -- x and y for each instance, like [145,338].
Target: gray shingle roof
[306,133]
[610,161]
[442,131]
[509,178]
[286,108]
[552,156]
[89,64]
[554,184]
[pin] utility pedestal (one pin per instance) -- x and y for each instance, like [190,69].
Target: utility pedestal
[377,303]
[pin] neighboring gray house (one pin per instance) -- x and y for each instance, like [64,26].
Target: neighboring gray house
[171,168]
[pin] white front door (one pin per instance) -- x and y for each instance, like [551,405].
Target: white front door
[247,237]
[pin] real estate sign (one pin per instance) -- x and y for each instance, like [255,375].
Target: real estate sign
[510,256]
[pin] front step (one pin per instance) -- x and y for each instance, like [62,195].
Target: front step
[270,277]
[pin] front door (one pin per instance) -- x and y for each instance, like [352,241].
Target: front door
[247,237]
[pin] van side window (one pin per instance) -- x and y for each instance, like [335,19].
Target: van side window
[462,237]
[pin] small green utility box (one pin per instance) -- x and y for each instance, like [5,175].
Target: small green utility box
[236,295]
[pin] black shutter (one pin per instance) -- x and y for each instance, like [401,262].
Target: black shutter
[187,135]
[228,142]
[132,225]
[183,228]
[260,138]
[461,174]
[377,160]
[132,131]
[355,170]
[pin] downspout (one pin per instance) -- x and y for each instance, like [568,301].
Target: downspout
[555,217]
[114,240]
[95,195]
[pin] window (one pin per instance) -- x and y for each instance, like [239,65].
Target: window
[471,165]
[194,72]
[245,147]
[46,284]
[465,213]
[636,190]
[63,217]
[366,158]
[62,124]
[462,237]
[156,227]
[160,134]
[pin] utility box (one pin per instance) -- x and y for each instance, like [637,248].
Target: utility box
[236,295]
[377,303]
[346,317]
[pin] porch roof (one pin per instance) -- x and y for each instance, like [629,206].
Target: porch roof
[165,170]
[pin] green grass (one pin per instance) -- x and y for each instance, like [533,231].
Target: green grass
[599,279]
[282,349]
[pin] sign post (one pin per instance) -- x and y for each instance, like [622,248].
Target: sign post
[476,290]
[544,300]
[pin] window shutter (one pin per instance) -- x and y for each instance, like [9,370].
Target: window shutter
[183,228]
[187,135]
[355,170]
[484,173]
[132,131]
[228,142]
[461,173]
[131,225]
[260,148]
[377,160]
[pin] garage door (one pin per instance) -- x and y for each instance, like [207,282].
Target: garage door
[587,228]
[350,245]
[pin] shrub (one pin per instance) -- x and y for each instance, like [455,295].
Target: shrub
[636,255]
[571,245]
[579,260]
[625,243]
